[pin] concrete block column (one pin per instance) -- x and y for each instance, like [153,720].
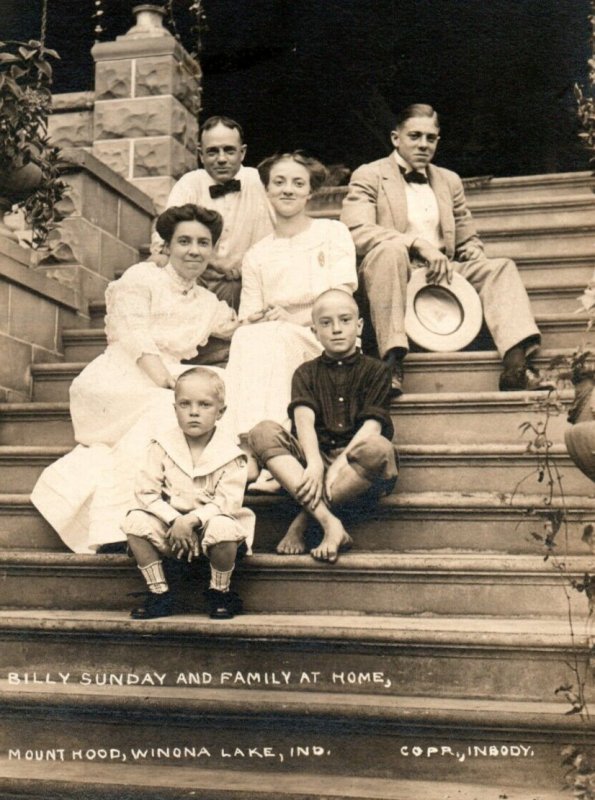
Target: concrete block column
[147,98]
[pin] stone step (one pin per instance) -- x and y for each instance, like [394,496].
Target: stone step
[545,298]
[562,329]
[352,739]
[546,242]
[21,466]
[425,373]
[506,659]
[416,522]
[444,418]
[72,781]
[424,468]
[395,583]
[487,190]
[515,214]
[541,273]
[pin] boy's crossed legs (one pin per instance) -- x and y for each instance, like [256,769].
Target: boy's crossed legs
[370,462]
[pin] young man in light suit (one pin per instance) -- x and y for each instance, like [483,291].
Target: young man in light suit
[405,213]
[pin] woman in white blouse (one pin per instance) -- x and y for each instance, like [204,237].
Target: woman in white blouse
[156,316]
[282,275]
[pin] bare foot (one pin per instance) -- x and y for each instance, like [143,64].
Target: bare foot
[335,539]
[293,543]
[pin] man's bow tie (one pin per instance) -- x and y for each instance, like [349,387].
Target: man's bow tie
[221,189]
[413,176]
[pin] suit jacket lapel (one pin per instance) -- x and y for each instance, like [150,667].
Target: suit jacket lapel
[394,187]
[442,192]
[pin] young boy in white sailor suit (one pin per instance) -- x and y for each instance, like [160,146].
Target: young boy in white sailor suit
[190,492]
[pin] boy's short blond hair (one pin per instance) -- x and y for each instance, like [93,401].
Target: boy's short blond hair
[210,375]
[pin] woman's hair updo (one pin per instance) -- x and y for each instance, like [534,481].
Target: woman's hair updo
[317,171]
[168,221]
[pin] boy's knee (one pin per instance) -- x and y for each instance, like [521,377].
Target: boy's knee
[375,457]
[138,523]
[220,530]
[267,439]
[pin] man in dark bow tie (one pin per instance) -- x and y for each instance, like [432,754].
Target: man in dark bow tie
[233,190]
[404,213]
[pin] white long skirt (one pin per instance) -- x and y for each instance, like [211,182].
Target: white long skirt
[116,409]
[262,360]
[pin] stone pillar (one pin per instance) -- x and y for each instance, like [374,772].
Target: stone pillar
[147,98]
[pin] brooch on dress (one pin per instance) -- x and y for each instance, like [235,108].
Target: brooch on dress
[321,258]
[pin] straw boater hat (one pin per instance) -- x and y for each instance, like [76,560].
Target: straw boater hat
[442,317]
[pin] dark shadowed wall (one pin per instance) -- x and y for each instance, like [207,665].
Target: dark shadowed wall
[326,74]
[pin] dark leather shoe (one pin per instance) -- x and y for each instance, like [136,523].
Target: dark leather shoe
[155,605]
[513,380]
[524,379]
[223,605]
[112,548]
[396,382]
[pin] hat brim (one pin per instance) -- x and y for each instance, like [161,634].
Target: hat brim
[442,317]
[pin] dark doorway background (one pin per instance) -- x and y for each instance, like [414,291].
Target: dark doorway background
[326,74]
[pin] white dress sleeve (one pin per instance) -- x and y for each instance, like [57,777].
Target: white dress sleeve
[222,320]
[252,297]
[128,303]
[342,256]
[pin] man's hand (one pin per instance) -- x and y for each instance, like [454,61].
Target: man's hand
[438,265]
[182,537]
[331,476]
[228,267]
[468,252]
[275,313]
[310,489]
[154,367]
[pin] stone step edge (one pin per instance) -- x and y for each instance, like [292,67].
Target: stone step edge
[485,205]
[444,501]
[570,230]
[187,702]
[369,564]
[438,632]
[13,454]
[149,782]
[454,401]
[461,358]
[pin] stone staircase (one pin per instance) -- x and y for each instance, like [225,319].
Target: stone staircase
[421,666]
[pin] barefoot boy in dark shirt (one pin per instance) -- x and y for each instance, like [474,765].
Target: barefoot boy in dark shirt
[340,446]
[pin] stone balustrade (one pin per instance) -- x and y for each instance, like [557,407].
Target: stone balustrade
[107,221]
[33,310]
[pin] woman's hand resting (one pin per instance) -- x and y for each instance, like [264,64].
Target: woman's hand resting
[274,313]
[153,366]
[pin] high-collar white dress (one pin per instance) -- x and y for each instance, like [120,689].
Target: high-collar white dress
[115,406]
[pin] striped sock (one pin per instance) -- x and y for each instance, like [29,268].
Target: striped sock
[155,577]
[220,580]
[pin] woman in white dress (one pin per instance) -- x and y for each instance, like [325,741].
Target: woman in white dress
[156,316]
[282,275]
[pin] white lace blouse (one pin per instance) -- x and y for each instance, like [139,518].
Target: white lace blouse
[152,310]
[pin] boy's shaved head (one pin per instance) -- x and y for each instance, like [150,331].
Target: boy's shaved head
[333,297]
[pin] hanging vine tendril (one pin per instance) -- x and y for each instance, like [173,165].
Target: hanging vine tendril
[171,21]
[199,25]
[44,22]
[98,14]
